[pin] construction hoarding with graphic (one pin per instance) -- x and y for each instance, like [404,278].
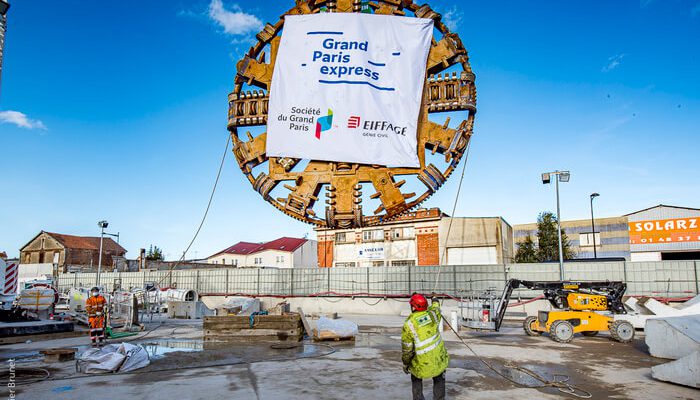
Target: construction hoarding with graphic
[348,88]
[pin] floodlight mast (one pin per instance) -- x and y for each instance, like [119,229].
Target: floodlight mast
[102,224]
[562,176]
[593,196]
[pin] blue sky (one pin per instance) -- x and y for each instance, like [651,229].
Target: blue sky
[117,111]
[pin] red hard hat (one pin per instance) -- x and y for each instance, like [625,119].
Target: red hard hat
[418,302]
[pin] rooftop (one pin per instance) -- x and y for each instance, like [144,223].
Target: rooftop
[282,244]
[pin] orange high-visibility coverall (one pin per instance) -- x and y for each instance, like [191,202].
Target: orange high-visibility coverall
[95,307]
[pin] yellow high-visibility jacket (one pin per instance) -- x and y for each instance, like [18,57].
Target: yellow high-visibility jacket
[422,348]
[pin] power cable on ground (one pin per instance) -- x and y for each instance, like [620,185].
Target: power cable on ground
[561,385]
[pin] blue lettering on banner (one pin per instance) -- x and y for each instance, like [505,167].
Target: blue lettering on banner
[335,57]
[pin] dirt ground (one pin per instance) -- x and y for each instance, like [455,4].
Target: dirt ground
[183,367]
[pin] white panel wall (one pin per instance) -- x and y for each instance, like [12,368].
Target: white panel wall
[646,256]
[306,256]
[472,255]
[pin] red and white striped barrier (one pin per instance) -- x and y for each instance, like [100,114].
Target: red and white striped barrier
[11,279]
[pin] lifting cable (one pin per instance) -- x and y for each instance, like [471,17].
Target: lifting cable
[454,208]
[561,385]
[204,217]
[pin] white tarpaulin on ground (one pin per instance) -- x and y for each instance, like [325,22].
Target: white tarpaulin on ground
[347,87]
[122,357]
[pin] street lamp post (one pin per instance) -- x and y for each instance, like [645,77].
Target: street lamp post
[102,225]
[593,196]
[562,176]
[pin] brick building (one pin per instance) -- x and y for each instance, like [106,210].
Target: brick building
[65,250]
[423,237]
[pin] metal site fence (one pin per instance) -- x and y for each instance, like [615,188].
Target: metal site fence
[659,279]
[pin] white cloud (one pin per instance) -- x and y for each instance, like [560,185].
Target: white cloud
[234,21]
[613,62]
[452,18]
[21,120]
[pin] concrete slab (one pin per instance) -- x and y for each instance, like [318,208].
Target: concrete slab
[684,371]
[690,303]
[370,368]
[8,329]
[673,337]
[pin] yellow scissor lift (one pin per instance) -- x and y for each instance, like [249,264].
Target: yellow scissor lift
[580,307]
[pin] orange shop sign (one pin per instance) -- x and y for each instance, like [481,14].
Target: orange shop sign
[665,231]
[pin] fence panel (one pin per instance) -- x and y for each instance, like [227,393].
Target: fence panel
[605,271]
[479,278]
[664,278]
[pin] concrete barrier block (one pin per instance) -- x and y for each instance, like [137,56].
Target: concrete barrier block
[684,371]
[673,337]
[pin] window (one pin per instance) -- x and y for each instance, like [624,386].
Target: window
[403,233]
[345,264]
[586,239]
[403,263]
[377,263]
[234,263]
[341,237]
[374,235]
[258,260]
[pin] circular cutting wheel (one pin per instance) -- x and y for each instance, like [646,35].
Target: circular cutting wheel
[622,331]
[561,331]
[293,186]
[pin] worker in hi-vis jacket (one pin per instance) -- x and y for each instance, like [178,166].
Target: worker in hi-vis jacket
[423,352]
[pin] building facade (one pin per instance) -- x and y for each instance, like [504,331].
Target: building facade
[664,233]
[420,238]
[64,250]
[611,237]
[654,234]
[284,252]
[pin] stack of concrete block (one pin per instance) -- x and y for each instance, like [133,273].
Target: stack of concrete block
[676,338]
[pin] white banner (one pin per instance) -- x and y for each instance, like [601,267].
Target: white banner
[371,252]
[347,87]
